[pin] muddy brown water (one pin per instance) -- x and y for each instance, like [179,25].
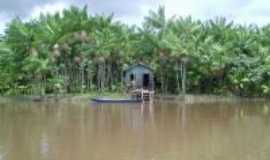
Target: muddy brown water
[163,130]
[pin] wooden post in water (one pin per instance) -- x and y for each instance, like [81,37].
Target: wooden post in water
[142,95]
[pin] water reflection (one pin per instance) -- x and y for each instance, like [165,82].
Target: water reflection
[156,130]
[1,154]
[44,146]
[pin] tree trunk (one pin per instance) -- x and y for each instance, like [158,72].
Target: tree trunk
[162,80]
[89,78]
[183,76]
[82,78]
[101,75]
[109,75]
[177,77]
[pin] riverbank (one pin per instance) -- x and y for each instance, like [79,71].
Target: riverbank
[201,98]
[62,97]
[77,98]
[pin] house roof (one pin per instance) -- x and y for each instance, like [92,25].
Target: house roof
[139,65]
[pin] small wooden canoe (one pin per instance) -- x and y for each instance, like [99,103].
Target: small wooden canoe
[108,100]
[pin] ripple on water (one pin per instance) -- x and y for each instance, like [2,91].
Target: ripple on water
[2,153]
[44,145]
[159,130]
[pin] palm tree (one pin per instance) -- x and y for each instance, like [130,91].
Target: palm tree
[82,50]
[155,26]
[181,38]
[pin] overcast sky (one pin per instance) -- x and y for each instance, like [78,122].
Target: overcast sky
[133,11]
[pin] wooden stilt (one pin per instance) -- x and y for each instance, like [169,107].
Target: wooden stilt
[145,95]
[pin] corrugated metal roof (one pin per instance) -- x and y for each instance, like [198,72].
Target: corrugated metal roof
[139,65]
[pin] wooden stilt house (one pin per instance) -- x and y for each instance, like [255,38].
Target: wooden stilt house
[139,79]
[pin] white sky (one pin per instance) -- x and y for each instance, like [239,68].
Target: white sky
[132,12]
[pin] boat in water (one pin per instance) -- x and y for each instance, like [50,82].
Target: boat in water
[110,100]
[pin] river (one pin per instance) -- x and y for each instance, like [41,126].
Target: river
[162,130]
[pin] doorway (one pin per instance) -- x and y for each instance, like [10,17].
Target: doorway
[131,77]
[146,80]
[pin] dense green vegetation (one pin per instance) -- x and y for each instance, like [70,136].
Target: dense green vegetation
[74,52]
